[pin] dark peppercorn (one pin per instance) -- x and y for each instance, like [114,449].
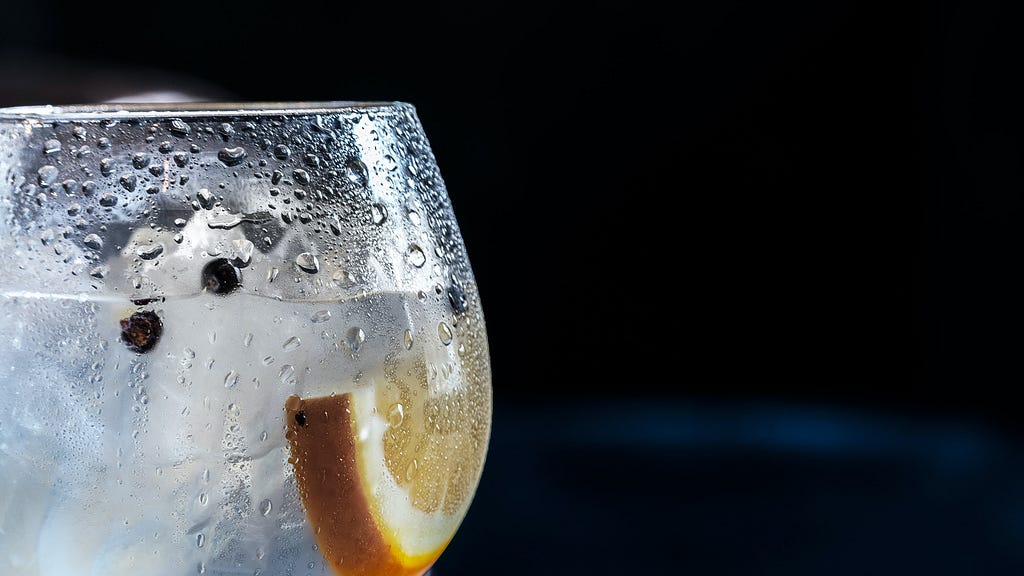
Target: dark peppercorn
[221,277]
[141,331]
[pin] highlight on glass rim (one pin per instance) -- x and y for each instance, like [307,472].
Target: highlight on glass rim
[234,339]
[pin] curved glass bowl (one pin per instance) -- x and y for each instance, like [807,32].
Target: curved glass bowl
[236,339]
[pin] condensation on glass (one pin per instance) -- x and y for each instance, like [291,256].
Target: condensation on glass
[184,293]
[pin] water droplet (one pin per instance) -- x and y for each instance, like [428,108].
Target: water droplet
[108,200]
[408,339]
[243,250]
[414,217]
[307,262]
[224,221]
[200,540]
[301,176]
[203,499]
[291,344]
[343,279]
[232,156]
[231,379]
[225,130]
[444,333]
[354,338]
[150,252]
[180,222]
[179,128]
[378,213]
[265,507]
[321,316]
[51,146]
[396,414]
[107,166]
[48,175]
[416,256]
[412,469]
[99,272]
[268,360]
[272,274]
[103,143]
[79,132]
[47,237]
[206,199]
[140,160]
[74,208]
[128,181]
[281,152]
[286,374]
[247,340]
[356,172]
[181,159]
[93,241]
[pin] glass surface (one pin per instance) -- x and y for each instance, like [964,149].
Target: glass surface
[234,339]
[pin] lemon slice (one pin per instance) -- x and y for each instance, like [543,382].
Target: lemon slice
[386,472]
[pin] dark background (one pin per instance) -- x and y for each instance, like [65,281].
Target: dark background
[749,269]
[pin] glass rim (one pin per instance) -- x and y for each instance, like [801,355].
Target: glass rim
[194,110]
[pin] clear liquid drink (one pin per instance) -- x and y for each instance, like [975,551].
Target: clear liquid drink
[233,342]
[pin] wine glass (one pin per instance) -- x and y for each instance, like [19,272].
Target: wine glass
[236,339]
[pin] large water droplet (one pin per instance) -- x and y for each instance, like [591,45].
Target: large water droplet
[356,172]
[301,176]
[354,338]
[108,200]
[93,241]
[378,213]
[52,146]
[232,156]
[321,316]
[179,128]
[243,251]
[48,175]
[291,344]
[307,262]
[408,339]
[231,379]
[128,181]
[200,540]
[265,507]
[225,221]
[444,333]
[107,166]
[416,256]
[281,152]
[396,414]
[150,252]
[206,199]
[287,374]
